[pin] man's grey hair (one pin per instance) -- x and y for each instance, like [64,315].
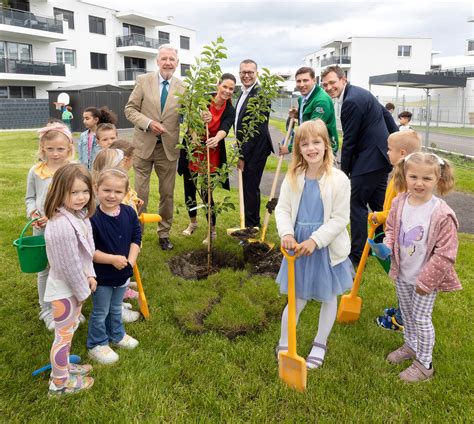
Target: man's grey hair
[168,47]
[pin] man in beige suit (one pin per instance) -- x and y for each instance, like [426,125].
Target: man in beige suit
[153,109]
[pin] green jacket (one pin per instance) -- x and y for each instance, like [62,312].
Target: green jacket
[320,105]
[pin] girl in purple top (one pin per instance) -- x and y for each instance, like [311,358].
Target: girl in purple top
[70,248]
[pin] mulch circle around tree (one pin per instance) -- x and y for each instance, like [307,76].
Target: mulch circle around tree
[260,259]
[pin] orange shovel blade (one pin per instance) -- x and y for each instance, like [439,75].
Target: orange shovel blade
[349,308]
[292,370]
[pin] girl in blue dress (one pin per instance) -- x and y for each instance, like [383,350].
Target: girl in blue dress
[312,215]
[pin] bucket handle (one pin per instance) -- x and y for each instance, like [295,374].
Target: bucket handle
[23,232]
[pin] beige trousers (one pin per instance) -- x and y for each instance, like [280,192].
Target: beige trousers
[166,172]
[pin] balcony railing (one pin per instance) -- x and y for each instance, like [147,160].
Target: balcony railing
[32,68]
[336,60]
[23,19]
[137,40]
[130,74]
[467,71]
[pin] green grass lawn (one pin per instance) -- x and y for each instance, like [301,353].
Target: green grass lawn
[183,374]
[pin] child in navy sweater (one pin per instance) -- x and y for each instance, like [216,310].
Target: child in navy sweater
[117,239]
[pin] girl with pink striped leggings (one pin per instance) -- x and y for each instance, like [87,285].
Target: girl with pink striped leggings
[70,247]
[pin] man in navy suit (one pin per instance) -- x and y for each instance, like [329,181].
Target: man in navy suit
[366,125]
[255,151]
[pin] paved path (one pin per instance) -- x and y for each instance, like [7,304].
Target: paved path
[452,143]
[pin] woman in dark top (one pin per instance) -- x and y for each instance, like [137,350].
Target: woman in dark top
[220,118]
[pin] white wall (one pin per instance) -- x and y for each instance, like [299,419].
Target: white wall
[377,56]
[85,42]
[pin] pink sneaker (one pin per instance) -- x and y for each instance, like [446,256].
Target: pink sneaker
[130,294]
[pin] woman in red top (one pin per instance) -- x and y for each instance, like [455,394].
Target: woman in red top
[220,118]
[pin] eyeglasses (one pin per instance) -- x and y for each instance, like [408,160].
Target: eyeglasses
[249,73]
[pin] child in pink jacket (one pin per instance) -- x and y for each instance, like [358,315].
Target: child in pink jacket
[421,237]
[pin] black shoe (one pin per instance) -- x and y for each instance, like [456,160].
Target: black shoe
[165,243]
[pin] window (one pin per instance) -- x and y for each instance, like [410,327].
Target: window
[66,56]
[96,25]
[67,16]
[184,68]
[16,51]
[184,42]
[310,63]
[470,45]
[98,61]
[163,37]
[345,51]
[134,63]
[129,29]
[17,92]
[404,51]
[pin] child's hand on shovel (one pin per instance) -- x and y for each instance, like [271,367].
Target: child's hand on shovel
[306,248]
[289,242]
[381,250]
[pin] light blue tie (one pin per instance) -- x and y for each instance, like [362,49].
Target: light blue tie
[164,93]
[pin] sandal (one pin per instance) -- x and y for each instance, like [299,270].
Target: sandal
[73,384]
[190,228]
[213,237]
[315,360]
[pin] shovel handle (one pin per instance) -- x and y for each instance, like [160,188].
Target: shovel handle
[291,301]
[241,199]
[363,261]
[266,220]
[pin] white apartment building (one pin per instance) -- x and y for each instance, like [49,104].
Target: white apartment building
[53,44]
[362,57]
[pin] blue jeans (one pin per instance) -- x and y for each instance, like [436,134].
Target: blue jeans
[105,322]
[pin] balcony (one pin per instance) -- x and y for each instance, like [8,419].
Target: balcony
[466,71]
[336,60]
[18,70]
[137,44]
[26,26]
[127,77]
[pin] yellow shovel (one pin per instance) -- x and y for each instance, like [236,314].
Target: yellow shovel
[292,368]
[144,218]
[351,304]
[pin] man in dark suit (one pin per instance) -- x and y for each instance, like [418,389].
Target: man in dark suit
[366,125]
[254,152]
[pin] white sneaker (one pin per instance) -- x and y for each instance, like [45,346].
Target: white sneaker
[103,355]
[126,305]
[129,316]
[82,319]
[128,342]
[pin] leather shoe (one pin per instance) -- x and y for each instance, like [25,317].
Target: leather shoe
[165,243]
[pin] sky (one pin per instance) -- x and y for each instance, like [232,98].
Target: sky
[278,34]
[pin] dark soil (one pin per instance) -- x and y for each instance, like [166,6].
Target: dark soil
[193,265]
[262,259]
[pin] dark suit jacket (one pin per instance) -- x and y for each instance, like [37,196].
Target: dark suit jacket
[260,145]
[364,125]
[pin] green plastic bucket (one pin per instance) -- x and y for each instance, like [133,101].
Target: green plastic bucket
[384,263]
[31,251]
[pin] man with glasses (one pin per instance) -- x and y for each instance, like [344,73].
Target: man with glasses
[153,109]
[255,151]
